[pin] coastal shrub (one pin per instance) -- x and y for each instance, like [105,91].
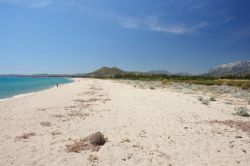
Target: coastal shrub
[166,82]
[241,111]
[45,124]
[245,86]
[93,142]
[125,140]
[56,132]
[93,158]
[205,101]
[97,139]
[200,98]
[212,98]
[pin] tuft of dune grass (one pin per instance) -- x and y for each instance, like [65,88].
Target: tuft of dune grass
[241,111]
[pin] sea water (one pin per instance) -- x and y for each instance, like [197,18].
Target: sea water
[13,86]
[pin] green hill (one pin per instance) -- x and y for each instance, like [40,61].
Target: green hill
[106,72]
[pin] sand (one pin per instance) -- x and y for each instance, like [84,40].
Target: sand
[143,126]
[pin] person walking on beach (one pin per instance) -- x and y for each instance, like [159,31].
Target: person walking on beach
[57,85]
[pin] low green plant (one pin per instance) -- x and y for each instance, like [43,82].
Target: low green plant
[241,111]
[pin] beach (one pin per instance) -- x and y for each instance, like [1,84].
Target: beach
[142,126]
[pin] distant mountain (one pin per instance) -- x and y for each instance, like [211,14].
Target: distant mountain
[235,68]
[106,72]
[183,74]
[109,72]
[159,72]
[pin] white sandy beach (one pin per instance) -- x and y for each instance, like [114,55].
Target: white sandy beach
[143,127]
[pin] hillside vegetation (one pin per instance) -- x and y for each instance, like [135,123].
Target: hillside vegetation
[242,81]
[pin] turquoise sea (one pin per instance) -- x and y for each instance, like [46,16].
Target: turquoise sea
[12,86]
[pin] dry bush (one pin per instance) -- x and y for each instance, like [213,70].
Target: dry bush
[166,82]
[89,93]
[200,98]
[243,126]
[77,146]
[245,86]
[26,135]
[41,109]
[152,88]
[58,116]
[79,114]
[56,132]
[92,100]
[45,124]
[205,102]
[73,106]
[93,142]
[241,111]
[212,98]
[97,139]
[87,101]
[125,140]
[93,158]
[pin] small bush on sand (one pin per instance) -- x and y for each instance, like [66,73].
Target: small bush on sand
[200,98]
[93,158]
[245,86]
[125,140]
[56,132]
[26,135]
[97,139]
[92,142]
[205,101]
[212,98]
[45,124]
[241,111]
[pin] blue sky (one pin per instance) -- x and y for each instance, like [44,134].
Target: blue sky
[77,36]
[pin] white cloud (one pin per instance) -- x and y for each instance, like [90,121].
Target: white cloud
[175,29]
[152,24]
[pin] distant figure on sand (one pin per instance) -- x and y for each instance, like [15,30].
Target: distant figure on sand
[57,85]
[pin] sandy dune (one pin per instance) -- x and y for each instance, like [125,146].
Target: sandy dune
[143,127]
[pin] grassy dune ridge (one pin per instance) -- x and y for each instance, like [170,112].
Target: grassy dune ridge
[237,81]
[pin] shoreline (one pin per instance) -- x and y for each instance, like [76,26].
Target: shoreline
[33,92]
